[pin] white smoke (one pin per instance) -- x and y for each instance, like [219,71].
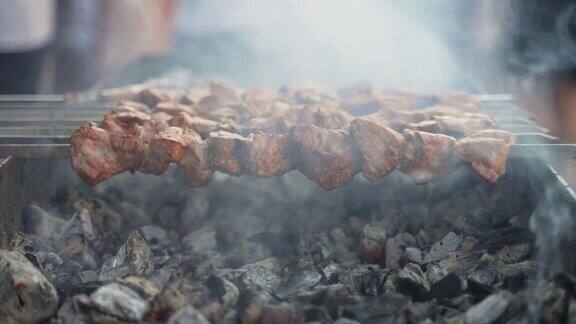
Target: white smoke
[331,42]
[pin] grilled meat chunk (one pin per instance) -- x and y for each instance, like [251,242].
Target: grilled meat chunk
[464,124]
[380,148]
[122,93]
[164,148]
[259,98]
[487,152]
[95,154]
[200,125]
[153,96]
[265,155]
[273,125]
[174,108]
[223,152]
[223,93]
[252,135]
[324,156]
[426,156]
[193,96]
[183,147]
[325,116]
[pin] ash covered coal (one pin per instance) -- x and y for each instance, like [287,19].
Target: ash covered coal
[281,250]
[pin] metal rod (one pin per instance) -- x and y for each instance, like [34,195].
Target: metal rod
[495,97]
[35,150]
[34,139]
[527,151]
[32,98]
[547,152]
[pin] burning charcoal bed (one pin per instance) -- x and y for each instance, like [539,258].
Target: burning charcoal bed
[265,244]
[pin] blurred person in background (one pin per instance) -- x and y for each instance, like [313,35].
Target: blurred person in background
[56,46]
[541,54]
[97,39]
[27,28]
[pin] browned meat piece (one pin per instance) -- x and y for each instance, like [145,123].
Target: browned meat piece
[465,124]
[123,93]
[441,110]
[276,108]
[153,96]
[324,156]
[377,118]
[304,95]
[462,100]
[281,109]
[222,150]
[224,94]
[273,125]
[259,97]
[227,114]
[163,149]
[131,117]
[193,96]
[325,116]
[207,104]
[400,115]
[113,124]
[265,155]
[95,155]
[427,156]
[200,125]
[487,152]
[126,115]
[174,108]
[360,92]
[183,147]
[396,100]
[162,116]
[430,126]
[132,106]
[196,165]
[380,148]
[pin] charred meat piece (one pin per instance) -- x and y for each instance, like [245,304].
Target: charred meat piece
[132,106]
[200,125]
[164,148]
[130,124]
[153,96]
[230,114]
[223,152]
[259,97]
[380,148]
[430,126]
[461,100]
[193,96]
[94,156]
[426,156]
[464,124]
[325,116]
[265,155]
[324,156]
[123,93]
[487,152]
[183,147]
[441,110]
[174,108]
[273,125]
[224,94]
[304,95]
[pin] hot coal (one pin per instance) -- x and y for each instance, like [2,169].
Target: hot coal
[280,250]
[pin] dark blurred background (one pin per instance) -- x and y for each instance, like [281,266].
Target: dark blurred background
[525,47]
